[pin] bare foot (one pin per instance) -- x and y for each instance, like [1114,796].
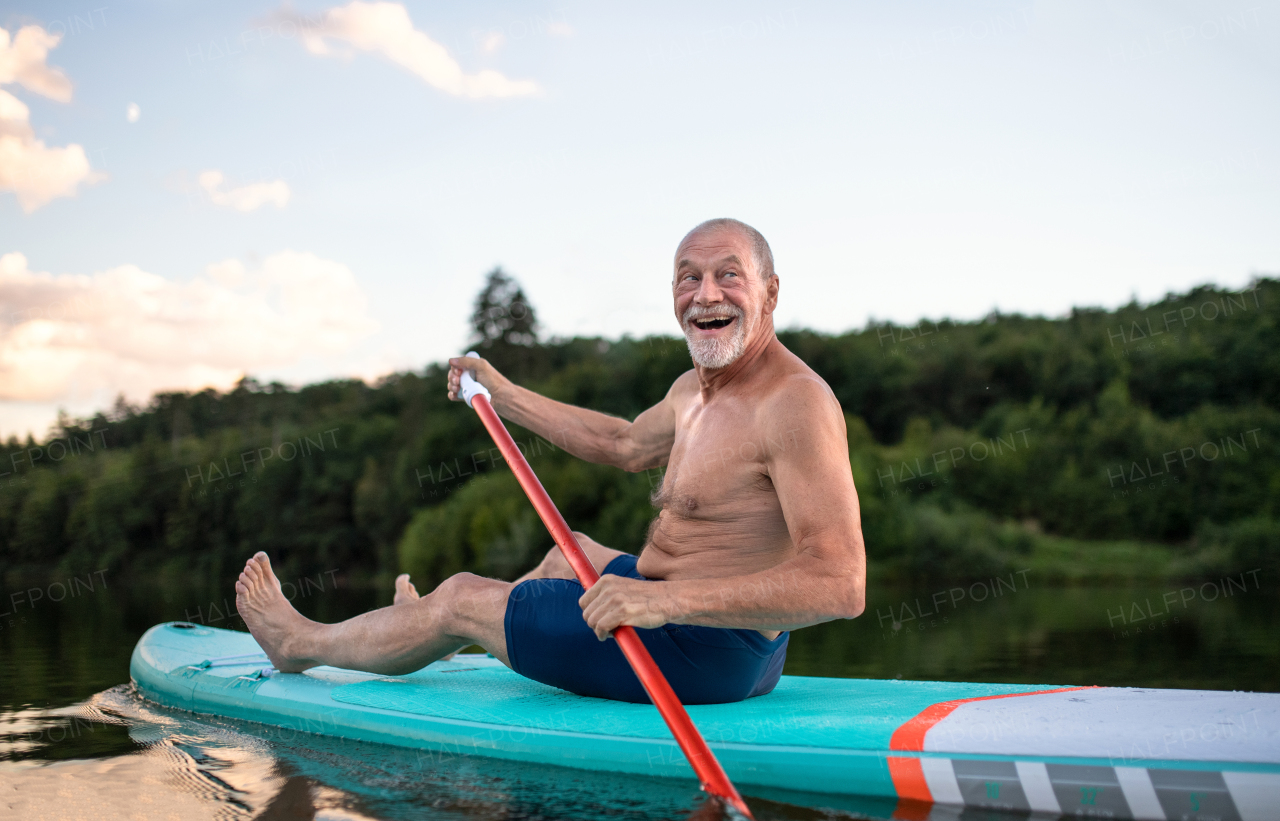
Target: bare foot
[405,591]
[268,614]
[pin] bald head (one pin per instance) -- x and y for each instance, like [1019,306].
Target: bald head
[761,255]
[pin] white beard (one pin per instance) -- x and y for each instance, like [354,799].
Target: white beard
[715,353]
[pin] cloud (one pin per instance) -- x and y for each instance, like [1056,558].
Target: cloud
[133,113]
[72,338]
[28,168]
[385,28]
[22,61]
[246,198]
[32,171]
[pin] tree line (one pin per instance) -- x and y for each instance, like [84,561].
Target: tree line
[976,446]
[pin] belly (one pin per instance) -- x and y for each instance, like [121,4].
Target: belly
[683,547]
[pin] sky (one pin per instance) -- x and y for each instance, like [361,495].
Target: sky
[193,192]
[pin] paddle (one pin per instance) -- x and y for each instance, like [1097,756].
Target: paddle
[703,761]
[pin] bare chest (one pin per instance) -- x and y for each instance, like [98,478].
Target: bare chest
[719,465]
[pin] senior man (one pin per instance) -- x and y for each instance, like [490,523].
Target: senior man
[758,531]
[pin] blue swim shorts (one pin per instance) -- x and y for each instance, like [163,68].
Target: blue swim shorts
[549,641]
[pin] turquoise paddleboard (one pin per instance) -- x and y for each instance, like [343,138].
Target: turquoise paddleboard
[1104,751]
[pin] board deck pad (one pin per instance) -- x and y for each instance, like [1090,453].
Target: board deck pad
[1110,751]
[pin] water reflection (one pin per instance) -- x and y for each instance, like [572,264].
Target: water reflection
[63,734]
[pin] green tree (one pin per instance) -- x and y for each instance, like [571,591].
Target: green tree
[1154,424]
[504,324]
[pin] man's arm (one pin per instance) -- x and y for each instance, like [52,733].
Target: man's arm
[826,577]
[587,434]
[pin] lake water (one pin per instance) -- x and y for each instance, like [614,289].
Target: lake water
[76,742]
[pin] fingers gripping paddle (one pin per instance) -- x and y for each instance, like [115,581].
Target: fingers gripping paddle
[704,763]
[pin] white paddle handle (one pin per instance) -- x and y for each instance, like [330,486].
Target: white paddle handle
[470,387]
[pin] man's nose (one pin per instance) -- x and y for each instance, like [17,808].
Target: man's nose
[709,292]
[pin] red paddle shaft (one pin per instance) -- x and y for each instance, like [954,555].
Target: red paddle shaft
[700,757]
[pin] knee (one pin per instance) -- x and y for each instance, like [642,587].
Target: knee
[460,587]
[462,598]
[455,584]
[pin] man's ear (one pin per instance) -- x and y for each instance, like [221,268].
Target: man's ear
[771,294]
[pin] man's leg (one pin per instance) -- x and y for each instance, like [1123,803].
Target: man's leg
[464,610]
[406,593]
[555,566]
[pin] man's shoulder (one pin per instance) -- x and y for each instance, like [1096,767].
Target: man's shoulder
[801,409]
[685,384]
[796,386]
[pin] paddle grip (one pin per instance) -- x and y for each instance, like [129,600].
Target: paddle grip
[470,387]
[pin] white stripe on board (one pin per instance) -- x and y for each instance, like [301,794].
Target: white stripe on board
[1123,725]
[1037,786]
[941,778]
[1140,795]
[1257,795]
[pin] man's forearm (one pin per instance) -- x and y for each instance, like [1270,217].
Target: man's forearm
[798,593]
[587,434]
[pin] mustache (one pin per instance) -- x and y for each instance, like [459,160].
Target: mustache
[698,312]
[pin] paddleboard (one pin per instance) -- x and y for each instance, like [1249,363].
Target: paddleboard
[1113,752]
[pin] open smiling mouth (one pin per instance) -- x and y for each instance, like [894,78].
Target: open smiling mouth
[713,323]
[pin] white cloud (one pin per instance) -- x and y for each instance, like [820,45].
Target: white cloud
[559,29]
[22,60]
[492,42]
[71,338]
[14,115]
[246,198]
[386,28]
[133,113]
[28,168]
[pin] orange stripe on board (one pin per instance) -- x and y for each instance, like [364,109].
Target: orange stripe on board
[910,736]
[908,780]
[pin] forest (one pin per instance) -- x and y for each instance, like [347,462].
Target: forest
[1139,442]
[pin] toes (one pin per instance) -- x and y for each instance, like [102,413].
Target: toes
[257,573]
[405,591]
[265,570]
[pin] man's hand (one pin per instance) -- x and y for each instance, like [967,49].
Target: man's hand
[485,374]
[616,600]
